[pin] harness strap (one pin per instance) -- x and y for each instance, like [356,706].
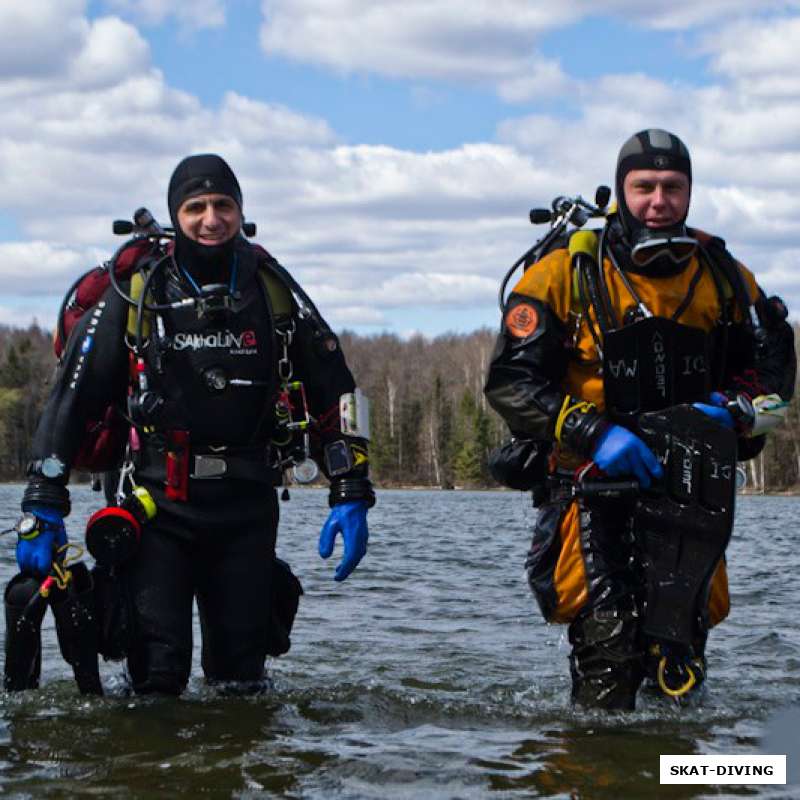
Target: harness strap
[725,272]
[207,463]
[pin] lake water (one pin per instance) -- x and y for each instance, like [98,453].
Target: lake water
[428,674]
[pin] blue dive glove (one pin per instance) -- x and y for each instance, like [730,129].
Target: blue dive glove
[620,452]
[35,554]
[349,519]
[717,411]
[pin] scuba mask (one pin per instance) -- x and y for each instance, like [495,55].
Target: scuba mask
[652,244]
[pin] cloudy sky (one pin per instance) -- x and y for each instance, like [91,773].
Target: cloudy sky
[388,151]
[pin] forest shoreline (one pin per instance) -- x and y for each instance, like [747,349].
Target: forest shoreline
[431,425]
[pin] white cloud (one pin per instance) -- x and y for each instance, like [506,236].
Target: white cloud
[423,289]
[113,50]
[684,14]
[371,229]
[77,153]
[193,15]
[22,317]
[347,316]
[490,43]
[763,59]
[40,37]
[41,268]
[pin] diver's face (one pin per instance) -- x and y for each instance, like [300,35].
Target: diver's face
[210,219]
[658,198]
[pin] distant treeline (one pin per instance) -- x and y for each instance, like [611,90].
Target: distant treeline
[431,425]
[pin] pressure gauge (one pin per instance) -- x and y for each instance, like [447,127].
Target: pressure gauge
[28,526]
[305,471]
[53,467]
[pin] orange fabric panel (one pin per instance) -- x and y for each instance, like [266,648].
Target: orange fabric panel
[569,578]
[550,281]
[570,573]
[719,601]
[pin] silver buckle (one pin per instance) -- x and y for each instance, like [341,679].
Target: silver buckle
[209,467]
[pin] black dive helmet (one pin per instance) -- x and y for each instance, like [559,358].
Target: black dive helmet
[654,249]
[207,265]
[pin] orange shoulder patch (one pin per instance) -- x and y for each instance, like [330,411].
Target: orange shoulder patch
[522,320]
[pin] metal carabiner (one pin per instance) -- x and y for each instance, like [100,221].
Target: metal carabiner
[126,472]
[285,367]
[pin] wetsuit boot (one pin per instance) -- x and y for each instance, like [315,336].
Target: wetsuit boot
[77,629]
[25,608]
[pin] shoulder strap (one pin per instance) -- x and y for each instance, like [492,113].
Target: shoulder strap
[277,287]
[727,268]
[280,297]
[279,294]
[298,299]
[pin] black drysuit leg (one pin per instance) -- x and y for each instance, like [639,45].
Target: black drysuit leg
[161,583]
[233,597]
[606,662]
[229,571]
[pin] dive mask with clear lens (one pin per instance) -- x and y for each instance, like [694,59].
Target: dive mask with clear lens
[652,244]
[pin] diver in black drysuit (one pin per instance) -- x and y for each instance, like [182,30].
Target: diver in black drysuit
[210,377]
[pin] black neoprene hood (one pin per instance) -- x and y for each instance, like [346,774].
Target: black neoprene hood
[650,149]
[207,173]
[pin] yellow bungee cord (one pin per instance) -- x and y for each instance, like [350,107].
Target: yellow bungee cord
[61,576]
